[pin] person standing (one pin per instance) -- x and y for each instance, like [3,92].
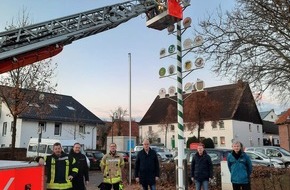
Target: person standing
[60,169]
[111,165]
[83,174]
[240,167]
[201,168]
[147,167]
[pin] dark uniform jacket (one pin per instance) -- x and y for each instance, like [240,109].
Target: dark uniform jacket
[201,167]
[147,167]
[83,171]
[58,169]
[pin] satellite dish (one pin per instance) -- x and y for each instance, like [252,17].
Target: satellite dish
[199,85]
[171,91]
[162,52]
[198,40]
[171,69]
[188,43]
[188,65]
[186,22]
[162,71]
[199,62]
[188,87]
[162,93]
[170,28]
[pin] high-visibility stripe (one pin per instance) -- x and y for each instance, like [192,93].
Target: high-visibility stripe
[52,170]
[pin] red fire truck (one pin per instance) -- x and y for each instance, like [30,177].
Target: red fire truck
[17,175]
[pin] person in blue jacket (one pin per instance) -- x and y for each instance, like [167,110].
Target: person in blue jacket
[147,167]
[201,168]
[240,167]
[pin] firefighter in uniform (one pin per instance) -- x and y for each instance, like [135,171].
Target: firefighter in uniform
[111,166]
[60,169]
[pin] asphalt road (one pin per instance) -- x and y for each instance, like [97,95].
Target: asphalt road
[96,178]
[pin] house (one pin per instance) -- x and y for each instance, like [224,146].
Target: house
[55,116]
[270,129]
[284,129]
[269,115]
[120,128]
[238,117]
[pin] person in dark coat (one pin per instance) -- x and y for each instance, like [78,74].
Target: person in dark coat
[147,167]
[83,173]
[201,168]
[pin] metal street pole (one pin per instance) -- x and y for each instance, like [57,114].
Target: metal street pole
[130,135]
[180,109]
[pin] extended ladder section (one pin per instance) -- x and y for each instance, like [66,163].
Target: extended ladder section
[29,44]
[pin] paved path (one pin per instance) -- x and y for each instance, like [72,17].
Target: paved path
[96,178]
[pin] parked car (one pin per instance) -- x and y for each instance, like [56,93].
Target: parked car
[126,155]
[216,155]
[162,153]
[273,152]
[95,158]
[262,159]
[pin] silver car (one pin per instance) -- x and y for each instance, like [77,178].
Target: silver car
[261,159]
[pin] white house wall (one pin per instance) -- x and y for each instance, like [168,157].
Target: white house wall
[242,133]
[233,130]
[67,132]
[271,116]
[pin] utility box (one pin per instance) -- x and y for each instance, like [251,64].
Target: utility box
[122,142]
[225,176]
[18,175]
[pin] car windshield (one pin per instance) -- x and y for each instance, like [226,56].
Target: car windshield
[98,154]
[284,152]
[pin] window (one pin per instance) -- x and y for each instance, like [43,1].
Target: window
[259,142]
[4,130]
[214,125]
[82,129]
[172,127]
[70,108]
[215,140]
[12,125]
[159,140]
[258,128]
[201,126]
[2,145]
[57,129]
[53,106]
[222,140]
[43,126]
[150,128]
[221,124]
[250,127]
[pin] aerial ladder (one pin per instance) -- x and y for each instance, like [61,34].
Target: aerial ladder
[23,46]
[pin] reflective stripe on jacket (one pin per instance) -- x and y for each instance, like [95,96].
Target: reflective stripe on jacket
[111,166]
[58,169]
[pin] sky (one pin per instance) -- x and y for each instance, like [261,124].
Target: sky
[95,70]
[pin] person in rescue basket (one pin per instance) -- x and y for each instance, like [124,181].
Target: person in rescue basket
[83,173]
[240,167]
[111,165]
[201,168]
[147,167]
[60,169]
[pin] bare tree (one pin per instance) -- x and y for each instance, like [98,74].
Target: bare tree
[121,114]
[200,108]
[21,86]
[169,118]
[251,43]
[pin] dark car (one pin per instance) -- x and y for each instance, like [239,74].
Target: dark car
[126,155]
[216,155]
[95,158]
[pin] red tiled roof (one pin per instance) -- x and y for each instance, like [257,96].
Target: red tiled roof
[284,118]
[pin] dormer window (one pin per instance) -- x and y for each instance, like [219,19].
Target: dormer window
[71,108]
[53,106]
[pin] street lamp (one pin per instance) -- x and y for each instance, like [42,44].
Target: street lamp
[114,117]
[39,131]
